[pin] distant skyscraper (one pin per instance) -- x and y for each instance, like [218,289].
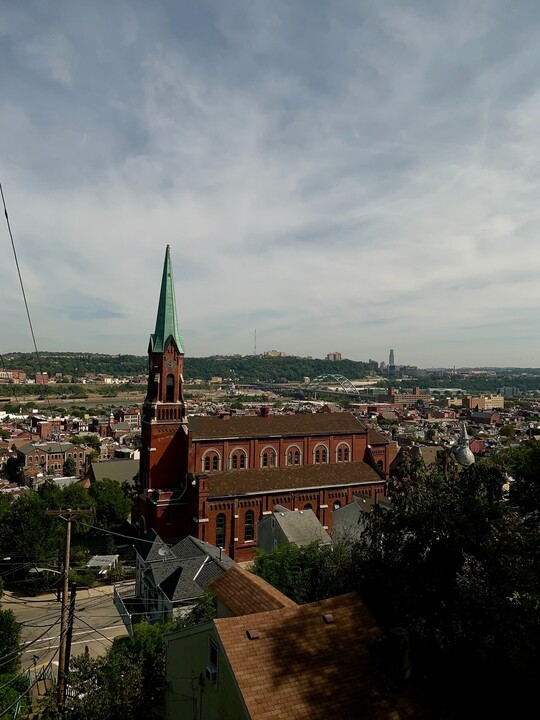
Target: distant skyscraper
[391,358]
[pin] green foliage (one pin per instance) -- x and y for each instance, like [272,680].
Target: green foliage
[92,441]
[12,469]
[70,468]
[12,687]
[112,506]
[26,533]
[308,573]
[523,464]
[10,636]
[130,681]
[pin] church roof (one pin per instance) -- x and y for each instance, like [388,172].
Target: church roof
[166,321]
[290,477]
[300,424]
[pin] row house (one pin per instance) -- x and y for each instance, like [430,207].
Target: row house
[52,456]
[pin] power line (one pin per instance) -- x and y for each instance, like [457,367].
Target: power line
[27,691]
[19,651]
[24,293]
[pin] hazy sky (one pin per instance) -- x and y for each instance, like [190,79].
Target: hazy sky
[340,175]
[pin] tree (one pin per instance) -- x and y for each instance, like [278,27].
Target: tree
[10,636]
[26,533]
[70,467]
[130,681]
[112,506]
[12,469]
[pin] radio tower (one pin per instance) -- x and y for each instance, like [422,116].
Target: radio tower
[255,343]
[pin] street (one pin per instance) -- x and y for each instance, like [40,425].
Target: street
[96,623]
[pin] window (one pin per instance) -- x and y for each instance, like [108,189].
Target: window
[265,459]
[207,463]
[380,464]
[212,667]
[336,505]
[340,455]
[220,530]
[323,455]
[346,454]
[308,506]
[293,456]
[215,463]
[317,456]
[238,460]
[170,388]
[248,525]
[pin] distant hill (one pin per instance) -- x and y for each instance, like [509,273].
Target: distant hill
[240,369]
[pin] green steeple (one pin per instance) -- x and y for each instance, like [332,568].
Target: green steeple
[166,322]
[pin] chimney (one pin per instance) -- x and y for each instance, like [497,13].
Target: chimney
[265,411]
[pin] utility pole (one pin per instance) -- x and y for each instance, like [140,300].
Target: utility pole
[71,617]
[67,516]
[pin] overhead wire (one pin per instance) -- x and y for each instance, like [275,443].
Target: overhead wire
[27,691]
[40,365]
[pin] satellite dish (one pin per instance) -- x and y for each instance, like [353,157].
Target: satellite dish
[162,551]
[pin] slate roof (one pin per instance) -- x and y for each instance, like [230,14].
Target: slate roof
[299,424]
[301,528]
[300,666]
[120,470]
[49,447]
[184,571]
[290,477]
[245,593]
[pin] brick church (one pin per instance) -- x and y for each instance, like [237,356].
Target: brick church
[216,477]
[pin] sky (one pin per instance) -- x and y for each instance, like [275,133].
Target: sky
[331,175]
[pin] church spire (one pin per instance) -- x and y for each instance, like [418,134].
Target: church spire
[166,321]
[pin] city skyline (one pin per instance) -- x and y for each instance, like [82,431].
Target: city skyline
[341,176]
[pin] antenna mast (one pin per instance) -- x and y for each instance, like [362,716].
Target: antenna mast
[255,345]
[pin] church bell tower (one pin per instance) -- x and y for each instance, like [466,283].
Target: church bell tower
[163,462]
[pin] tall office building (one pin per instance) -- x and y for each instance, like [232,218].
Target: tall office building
[391,358]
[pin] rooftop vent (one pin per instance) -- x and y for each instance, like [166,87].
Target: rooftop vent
[328,618]
[253,634]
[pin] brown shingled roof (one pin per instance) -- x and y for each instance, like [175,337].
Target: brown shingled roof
[303,666]
[245,593]
[290,477]
[243,426]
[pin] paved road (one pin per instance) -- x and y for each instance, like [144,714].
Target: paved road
[96,623]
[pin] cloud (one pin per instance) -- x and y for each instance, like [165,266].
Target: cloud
[340,176]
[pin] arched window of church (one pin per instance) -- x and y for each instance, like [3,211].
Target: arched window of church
[235,462]
[346,454]
[308,506]
[220,530]
[215,462]
[272,458]
[323,455]
[207,463]
[336,505]
[170,388]
[317,456]
[340,454]
[297,457]
[249,524]
[289,458]
[265,459]
[242,460]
